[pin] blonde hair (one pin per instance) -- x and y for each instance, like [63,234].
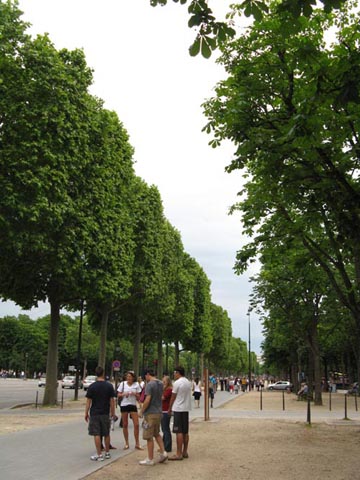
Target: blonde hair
[167,381]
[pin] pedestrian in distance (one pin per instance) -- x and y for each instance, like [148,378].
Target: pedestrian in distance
[196,388]
[152,411]
[99,409]
[180,405]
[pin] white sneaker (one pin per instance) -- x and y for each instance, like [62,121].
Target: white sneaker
[107,455]
[147,462]
[97,458]
[163,457]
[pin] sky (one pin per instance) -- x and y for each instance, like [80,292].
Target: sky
[143,71]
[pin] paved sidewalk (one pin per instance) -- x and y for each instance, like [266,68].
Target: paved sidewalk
[62,451]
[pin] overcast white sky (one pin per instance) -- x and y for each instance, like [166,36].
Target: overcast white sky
[143,71]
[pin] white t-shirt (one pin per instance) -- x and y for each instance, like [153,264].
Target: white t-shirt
[130,392]
[182,388]
[197,386]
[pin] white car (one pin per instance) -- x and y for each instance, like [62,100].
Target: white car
[42,381]
[280,385]
[69,382]
[88,381]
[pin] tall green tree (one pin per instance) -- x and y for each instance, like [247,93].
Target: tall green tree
[221,338]
[291,106]
[63,163]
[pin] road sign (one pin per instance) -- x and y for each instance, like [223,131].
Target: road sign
[116,364]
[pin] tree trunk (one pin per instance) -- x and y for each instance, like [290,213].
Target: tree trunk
[85,367]
[137,342]
[315,357]
[103,336]
[177,353]
[160,367]
[50,395]
[201,370]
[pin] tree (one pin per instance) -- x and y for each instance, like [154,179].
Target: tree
[291,106]
[63,162]
[221,338]
[200,338]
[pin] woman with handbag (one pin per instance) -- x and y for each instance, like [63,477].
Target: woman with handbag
[129,393]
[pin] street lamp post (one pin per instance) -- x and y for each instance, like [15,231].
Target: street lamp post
[78,357]
[248,314]
[26,362]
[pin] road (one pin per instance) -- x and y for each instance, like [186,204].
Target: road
[14,391]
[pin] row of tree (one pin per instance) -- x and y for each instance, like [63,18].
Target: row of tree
[291,106]
[24,348]
[78,227]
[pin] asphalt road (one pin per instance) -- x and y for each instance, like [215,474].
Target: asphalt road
[14,391]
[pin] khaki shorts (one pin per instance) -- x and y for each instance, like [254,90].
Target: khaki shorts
[151,425]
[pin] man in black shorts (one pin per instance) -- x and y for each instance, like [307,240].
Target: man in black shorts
[180,404]
[100,402]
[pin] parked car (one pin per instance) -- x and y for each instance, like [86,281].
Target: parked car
[42,381]
[280,385]
[69,382]
[88,381]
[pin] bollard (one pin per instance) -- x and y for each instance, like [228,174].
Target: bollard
[62,399]
[260,398]
[308,419]
[356,402]
[283,395]
[330,399]
[37,398]
[346,417]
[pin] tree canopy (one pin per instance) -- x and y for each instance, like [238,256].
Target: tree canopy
[290,105]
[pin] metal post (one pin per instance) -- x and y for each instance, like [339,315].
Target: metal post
[283,399]
[62,399]
[260,398]
[37,398]
[356,407]
[346,417]
[308,410]
[249,355]
[330,398]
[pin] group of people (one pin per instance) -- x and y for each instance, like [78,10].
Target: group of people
[162,399]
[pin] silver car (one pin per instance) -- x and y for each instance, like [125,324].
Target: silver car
[69,382]
[280,385]
[88,381]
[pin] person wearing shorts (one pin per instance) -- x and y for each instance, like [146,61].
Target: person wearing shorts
[129,394]
[152,411]
[180,405]
[100,404]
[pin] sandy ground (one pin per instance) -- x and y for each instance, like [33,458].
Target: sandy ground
[250,448]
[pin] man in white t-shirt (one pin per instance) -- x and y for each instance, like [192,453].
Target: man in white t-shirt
[180,404]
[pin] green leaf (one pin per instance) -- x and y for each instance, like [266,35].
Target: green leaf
[195,20]
[195,48]
[205,48]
